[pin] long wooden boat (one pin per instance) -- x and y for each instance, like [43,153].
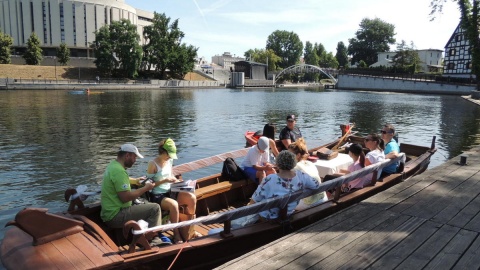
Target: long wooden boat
[77,239]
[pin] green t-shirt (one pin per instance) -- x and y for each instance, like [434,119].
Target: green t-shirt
[115,179]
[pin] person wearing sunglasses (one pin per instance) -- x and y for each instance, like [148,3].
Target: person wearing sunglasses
[376,146]
[391,148]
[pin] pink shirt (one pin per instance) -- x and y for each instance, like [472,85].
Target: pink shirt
[359,182]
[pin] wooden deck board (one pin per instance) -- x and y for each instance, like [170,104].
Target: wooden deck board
[449,255]
[430,221]
[401,251]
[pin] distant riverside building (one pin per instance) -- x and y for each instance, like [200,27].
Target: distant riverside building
[430,59]
[226,60]
[458,57]
[71,22]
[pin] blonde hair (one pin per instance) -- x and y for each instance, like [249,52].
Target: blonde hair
[299,147]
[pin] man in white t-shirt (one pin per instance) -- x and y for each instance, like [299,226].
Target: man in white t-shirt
[257,162]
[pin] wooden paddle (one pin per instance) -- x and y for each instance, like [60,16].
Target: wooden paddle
[344,136]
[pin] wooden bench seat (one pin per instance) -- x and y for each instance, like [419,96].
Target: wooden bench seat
[221,187]
[222,194]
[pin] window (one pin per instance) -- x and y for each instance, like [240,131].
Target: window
[62,24]
[452,52]
[451,66]
[458,37]
[469,65]
[74,26]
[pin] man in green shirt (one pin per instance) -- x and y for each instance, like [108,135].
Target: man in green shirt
[117,196]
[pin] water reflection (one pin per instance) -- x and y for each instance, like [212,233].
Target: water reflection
[52,140]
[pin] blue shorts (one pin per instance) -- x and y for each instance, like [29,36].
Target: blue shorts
[251,173]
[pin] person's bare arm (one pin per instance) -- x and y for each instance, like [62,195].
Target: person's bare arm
[127,196]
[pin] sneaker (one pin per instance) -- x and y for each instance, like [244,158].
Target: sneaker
[160,241]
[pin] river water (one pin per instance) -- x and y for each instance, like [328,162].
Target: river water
[52,140]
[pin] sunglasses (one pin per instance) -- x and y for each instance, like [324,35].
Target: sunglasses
[385,132]
[367,139]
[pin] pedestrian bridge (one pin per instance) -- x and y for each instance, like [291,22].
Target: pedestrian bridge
[304,68]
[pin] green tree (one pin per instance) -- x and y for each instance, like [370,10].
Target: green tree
[310,54]
[6,42]
[63,54]
[470,20]
[362,64]
[328,60]
[374,36]
[33,54]
[183,61]
[264,56]
[341,55]
[103,49]
[406,57]
[116,46]
[287,46]
[164,46]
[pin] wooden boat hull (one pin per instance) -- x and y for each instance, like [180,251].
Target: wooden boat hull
[93,247]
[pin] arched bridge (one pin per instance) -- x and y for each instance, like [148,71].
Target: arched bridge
[304,68]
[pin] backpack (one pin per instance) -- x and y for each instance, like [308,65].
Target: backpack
[231,171]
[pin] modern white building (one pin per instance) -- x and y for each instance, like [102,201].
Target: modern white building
[430,59]
[68,21]
[226,60]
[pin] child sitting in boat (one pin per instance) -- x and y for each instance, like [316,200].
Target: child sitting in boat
[160,169]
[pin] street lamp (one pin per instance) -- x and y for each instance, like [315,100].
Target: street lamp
[55,59]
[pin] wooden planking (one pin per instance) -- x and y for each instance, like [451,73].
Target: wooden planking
[449,255]
[401,251]
[471,258]
[458,199]
[371,237]
[74,254]
[429,249]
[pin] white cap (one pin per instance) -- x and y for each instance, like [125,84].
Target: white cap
[130,148]
[263,143]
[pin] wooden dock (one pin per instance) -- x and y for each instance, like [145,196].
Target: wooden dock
[431,221]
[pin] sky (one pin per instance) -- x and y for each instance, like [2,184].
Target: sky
[235,26]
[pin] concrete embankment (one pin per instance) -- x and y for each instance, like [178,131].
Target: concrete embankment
[386,84]
[154,84]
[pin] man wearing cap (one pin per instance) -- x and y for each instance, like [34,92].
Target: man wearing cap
[117,196]
[257,162]
[290,133]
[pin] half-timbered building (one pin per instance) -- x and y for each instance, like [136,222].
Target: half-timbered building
[458,57]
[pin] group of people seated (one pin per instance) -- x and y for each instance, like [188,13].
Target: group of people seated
[117,194]
[291,171]
[295,172]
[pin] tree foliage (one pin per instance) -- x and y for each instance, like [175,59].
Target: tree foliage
[264,56]
[287,45]
[6,42]
[470,20]
[116,46]
[374,36]
[406,57]
[341,55]
[310,54]
[164,49]
[33,55]
[63,54]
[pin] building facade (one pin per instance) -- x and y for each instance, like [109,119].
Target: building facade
[226,60]
[458,57]
[64,21]
[430,59]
